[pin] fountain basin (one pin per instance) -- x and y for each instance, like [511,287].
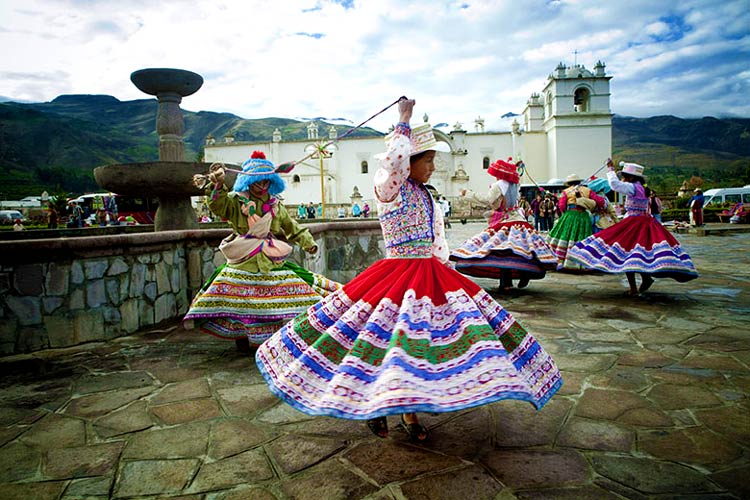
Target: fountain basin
[155,81]
[156,178]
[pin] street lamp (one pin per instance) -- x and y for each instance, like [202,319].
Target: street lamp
[321,151]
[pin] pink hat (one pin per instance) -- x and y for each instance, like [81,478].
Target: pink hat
[504,170]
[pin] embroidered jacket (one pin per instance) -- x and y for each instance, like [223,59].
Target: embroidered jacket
[411,221]
[237,209]
[636,201]
[568,198]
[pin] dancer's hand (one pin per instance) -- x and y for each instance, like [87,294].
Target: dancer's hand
[405,109]
[217,175]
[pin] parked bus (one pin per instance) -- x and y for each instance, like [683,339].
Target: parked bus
[143,210]
[554,186]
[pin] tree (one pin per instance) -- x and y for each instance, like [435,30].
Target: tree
[695,182]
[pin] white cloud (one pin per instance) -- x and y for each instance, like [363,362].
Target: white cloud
[459,59]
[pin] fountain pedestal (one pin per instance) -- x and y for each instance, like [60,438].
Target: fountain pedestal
[170,179]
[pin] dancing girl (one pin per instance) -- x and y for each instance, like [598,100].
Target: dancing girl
[409,334]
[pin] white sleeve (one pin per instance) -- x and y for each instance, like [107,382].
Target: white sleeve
[394,169]
[626,188]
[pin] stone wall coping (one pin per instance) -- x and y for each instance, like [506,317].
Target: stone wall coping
[62,249]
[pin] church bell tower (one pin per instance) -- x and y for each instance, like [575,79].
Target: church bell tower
[577,119]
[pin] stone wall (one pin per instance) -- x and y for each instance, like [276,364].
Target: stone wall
[62,292]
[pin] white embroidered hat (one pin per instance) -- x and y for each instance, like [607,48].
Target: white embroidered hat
[632,169]
[422,139]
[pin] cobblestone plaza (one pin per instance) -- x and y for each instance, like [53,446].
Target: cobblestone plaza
[654,405]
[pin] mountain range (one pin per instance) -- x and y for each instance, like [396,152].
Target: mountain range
[55,145]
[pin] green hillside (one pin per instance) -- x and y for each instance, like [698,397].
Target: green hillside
[55,145]
[59,143]
[709,152]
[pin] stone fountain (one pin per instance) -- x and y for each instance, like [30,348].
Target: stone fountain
[170,178]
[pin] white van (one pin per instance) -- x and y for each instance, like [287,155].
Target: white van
[727,195]
[10,216]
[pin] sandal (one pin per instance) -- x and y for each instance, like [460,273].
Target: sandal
[378,426]
[646,282]
[415,430]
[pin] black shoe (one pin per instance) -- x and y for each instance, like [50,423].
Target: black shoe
[378,426]
[646,282]
[416,431]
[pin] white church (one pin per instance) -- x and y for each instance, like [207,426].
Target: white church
[566,129]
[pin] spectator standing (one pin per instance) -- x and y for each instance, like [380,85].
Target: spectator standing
[696,207]
[301,211]
[654,205]
[366,210]
[310,210]
[446,207]
[356,210]
[76,215]
[547,212]
[536,205]
[18,226]
[52,216]
[101,217]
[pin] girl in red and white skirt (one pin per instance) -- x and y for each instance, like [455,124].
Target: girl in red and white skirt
[409,334]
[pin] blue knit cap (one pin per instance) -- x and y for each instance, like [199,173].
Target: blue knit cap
[599,184]
[262,170]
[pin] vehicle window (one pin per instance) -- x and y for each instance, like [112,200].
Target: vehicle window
[746,198]
[732,198]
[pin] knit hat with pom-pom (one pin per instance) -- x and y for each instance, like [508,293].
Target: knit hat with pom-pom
[259,169]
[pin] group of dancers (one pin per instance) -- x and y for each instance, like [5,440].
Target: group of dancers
[410,333]
[586,237]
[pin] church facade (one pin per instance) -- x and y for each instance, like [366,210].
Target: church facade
[566,128]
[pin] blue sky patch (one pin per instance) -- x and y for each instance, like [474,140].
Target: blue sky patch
[316,36]
[677,29]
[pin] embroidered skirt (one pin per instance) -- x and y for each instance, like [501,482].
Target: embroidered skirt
[570,228]
[235,303]
[635,244]
[508,245]
[406,335]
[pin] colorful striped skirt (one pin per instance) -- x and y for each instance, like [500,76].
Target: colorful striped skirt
[235,303]
[406,335]
[635,244]
[572,227]
[509,245]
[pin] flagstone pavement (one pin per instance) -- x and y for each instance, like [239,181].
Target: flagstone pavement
[654,405]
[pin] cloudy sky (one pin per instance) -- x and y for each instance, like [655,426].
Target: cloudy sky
[350,58]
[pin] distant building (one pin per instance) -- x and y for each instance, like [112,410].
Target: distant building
[566,128]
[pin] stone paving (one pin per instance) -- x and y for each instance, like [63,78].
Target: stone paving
[654,405]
